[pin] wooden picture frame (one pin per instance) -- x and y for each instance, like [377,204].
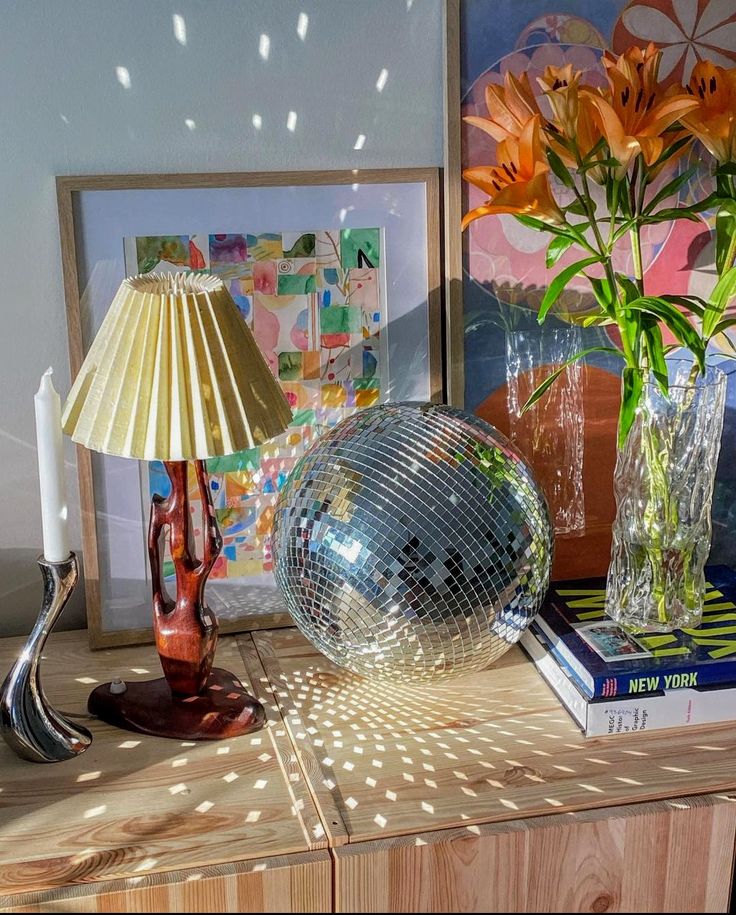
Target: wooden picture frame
[73,191]
[452,190]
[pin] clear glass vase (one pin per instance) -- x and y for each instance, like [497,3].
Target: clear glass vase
[663,484]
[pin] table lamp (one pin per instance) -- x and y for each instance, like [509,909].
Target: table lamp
[175,375]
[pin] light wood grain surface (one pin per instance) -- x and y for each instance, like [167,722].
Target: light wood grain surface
[658,857]
[292,883]
[134,805]
[386,761]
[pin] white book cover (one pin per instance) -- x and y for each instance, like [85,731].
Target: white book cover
[623,715]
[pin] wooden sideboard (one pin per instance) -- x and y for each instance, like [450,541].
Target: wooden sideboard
[476,796]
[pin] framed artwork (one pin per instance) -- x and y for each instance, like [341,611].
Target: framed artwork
[336,273]
[496,273]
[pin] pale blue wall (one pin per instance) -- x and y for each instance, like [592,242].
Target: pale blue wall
[64,111]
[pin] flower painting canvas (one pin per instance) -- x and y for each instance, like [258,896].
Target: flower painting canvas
[570,438]
[315,303]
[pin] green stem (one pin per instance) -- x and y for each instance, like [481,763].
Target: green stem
[730,254]
[605,253]
[614,209]
[637,204]
[636,251]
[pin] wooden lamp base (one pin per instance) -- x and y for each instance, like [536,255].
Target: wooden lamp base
[223,709]
[192,701]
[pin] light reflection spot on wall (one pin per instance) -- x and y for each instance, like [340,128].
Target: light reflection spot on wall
[180,28]
[123,77]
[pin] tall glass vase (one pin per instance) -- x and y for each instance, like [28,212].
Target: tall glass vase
[663,484]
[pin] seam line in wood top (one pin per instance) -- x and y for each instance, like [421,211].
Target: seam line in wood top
[530,762]
[332,820]
[242,641]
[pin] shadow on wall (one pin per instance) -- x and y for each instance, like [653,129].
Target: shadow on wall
[21,591]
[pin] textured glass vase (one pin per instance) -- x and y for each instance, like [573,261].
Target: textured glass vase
[663,484]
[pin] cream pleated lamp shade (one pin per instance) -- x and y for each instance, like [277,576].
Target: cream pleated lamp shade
[174,374]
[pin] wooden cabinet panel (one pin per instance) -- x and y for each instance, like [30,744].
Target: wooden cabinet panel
[669,856]
[385,761]
[133,806]
[292,883]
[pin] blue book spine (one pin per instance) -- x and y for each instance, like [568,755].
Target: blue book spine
[643,680]
[712,674]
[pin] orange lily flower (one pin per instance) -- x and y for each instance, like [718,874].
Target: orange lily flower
[573,121]
[635,111]
[519,182]
[510,106]
[560,85]
[713,122]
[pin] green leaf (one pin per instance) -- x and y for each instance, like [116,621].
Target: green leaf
[531,223]
[669,151]
[728,168]
[688,212]
[631,290]
[595,150]
[725,231]
[630,322]
[676,321]
[555,288]
[625,204]
[692,303]
[669,215]
[576,208]
[613,189]
[671,188]
[724,325]
[602,292]
[724,291]
[605,163]
[551,378]
[624,228]
[728,204]
[595,321]
[633,385]
[558,167]
[655,350]
[556,249]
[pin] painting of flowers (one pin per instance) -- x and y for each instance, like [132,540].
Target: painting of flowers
[515,81]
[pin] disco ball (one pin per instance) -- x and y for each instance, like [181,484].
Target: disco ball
[411,543]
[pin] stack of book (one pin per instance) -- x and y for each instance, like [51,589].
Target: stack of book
[613,682]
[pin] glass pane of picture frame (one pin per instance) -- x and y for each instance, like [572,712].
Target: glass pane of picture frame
[337,275]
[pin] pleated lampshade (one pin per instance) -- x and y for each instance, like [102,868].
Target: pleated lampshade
[174,374]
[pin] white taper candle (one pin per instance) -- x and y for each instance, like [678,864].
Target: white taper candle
[51,471]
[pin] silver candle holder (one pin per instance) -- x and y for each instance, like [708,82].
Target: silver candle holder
[28,724]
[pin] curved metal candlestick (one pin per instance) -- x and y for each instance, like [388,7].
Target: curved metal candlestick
[28,724]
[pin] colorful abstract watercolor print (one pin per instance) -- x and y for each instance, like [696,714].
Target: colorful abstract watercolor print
[314,303]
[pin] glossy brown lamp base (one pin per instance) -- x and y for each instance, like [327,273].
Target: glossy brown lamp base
[192,701]
[222,710]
